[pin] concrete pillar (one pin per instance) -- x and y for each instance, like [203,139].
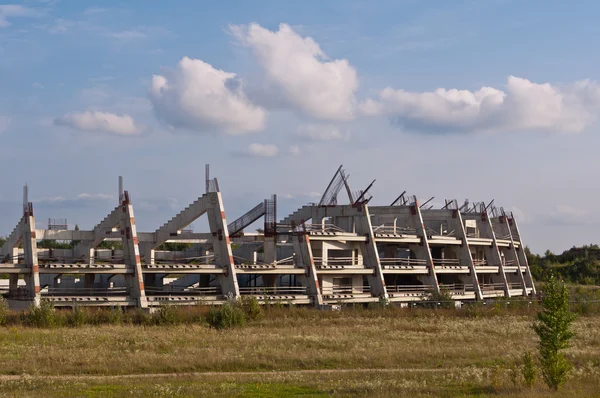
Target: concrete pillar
[370,252]
[31,258]
[88,281]
[222,245]
[304,258]
[511,253]
[13,284]
[422,251]
[493,253]
[270,250]
[464,251]
[521,254]
[131,252]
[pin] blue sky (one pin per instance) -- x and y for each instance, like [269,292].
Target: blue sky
[465,99]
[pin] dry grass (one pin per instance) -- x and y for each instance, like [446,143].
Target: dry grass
[473,355]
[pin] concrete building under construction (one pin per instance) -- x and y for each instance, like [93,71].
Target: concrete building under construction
[324,253]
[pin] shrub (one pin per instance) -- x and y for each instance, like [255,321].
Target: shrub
[114,316]
[4,312]
[441,299]
[77,317]
[140,317]
[42,316]
[166,315]
[553,327]
[529,372]
[225,317]
[251,308]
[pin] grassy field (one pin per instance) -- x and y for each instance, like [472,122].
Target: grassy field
[294,353]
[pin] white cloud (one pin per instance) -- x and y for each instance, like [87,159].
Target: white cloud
[78,198]
[99,121]
[8,11]
[321,132]
[4,123]
[319,87]
[261,150]
[198,97]
[524,106]
[37,85]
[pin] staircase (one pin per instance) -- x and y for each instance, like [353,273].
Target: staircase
[184,217]
[303,213]
[254,214]
[11,241]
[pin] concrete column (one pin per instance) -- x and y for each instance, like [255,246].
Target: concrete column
[370,252]
[222,245]
[511,253]
[521,254]
[270,250]
[31,259]
[422,251]
[13,284]
[88,281]
[464,251]
[304,258]
[131,252]
[493,253]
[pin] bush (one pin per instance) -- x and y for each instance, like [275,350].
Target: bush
[4,312]
[227,316]
[529,372]
[42,316]
[166,315]
[441,299]
[251,308]
[553,327]
[77,317]
[140,317]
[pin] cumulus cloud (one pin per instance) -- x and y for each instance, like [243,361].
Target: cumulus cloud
[321,132]
[195,96]
[8,11]
[261,150]
[318,87]
[99,121]
[4,123]
[523,106]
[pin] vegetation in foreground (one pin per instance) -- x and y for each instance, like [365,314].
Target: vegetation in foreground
[379,351]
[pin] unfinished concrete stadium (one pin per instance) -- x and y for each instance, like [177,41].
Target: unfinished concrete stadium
[323,254]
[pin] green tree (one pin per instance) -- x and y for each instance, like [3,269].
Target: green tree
[553,326]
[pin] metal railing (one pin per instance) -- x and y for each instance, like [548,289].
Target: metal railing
[409,288]
[169,289]
[346,261]
[390,229]
[84,291]
[509,263]
[286,261]
[480,263]
[457,287]
[491,286]
[274,291]
[330,228]
[431,232]
[346,289]
[393,261]
[454,262]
